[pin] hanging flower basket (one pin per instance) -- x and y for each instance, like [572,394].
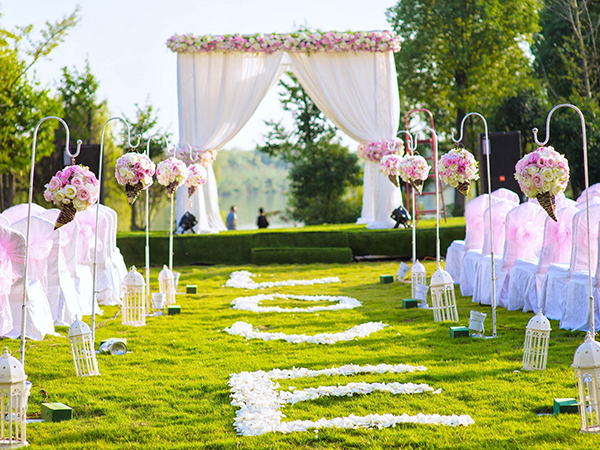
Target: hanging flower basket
[543,174]
[390,165]
[414,170]
[197,176]
[458,168]
[171,173]
[73,189]
[374,151]
[134,171]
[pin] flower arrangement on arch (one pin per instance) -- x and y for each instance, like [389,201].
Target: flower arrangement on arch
[414,170]
[374,151]
[134,171]
[197,176]
[195,155]
[171,173]
[458,168]
[73,189]
[543,174]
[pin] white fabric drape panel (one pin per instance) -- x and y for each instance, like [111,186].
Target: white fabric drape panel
[217,94]
[358,92]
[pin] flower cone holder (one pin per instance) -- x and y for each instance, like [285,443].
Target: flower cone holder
[133,191]
[463,187]
[548,202]
[67,214]
[171,188]
[394,179]
[192,190]
[417,185]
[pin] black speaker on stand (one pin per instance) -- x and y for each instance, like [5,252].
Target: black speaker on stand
[505,153]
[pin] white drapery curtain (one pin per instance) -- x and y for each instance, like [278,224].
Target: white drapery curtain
[217,94]
[358,92]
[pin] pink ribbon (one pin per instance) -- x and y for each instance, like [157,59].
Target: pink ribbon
[7,276]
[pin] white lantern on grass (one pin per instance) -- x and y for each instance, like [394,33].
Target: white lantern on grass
[443,299]
[586,364]
[476,323]
[13,402]
[134,301]
[166,284]
[418,275]
[535,348]
[82,349]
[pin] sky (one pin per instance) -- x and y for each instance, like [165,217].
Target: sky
[125,44]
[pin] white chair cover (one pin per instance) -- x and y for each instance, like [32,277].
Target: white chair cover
[114,253]
[506,194]
[18,212]
[4,221]
[594,192]
[12,259]
[554,287]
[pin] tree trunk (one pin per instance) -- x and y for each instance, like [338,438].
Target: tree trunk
[582,49]
[7,191]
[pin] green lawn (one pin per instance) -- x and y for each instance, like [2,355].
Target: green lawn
[171,391]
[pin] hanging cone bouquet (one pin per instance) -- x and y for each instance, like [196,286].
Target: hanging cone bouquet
[171,173]
[543,174]
[458,168]
[414,170]
[390,166]
[197,176]
[73,189]
[134,171]
[375,151]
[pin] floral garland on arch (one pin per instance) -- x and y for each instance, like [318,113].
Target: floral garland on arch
[253,303]
[374,151]
[261,404]
[242,279]
[358,331]
[303,41]
[204,157]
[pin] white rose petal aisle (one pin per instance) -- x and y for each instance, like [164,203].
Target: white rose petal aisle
[134,171]
[253,303]
[543,174]
[242,279]
[458,168]
[358,331]
[255,393]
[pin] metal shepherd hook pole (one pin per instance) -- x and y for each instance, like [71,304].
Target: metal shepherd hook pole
[587,200]
[30,199]
[486,152]
[412,146]
[95,269]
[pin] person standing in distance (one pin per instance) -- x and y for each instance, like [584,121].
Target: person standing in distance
[232,219]
[262,221]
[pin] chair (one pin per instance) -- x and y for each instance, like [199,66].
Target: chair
[506,194]
[18,212]
[527,275]
[4,221]
[594,192]
[43,290]
[554,286]
[468,273]
[12,258]
[114,253]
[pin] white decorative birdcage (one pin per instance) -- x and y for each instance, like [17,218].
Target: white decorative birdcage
[82,349]
[443,299]
[537,337]
[13,402]
[418,276]
[134,299]
[586,364]
[166,285]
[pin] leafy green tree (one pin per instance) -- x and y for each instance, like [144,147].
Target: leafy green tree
[23,103]
[323,171]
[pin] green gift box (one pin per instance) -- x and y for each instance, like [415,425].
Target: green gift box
[408,303]
[565,406]
[459,332]
[191,289]
[173,309]
[386,279]
[55,412]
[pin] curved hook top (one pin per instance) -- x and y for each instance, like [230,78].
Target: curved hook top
[147,152]
[66,130]
[425,128]
[128,132]
[412,143]
[462,125]
[566,105]
[77,152]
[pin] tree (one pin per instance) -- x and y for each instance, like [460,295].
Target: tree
[23,102]
[459,56]
[323,171]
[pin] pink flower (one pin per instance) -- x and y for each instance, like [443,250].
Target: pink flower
[537,181]
[77,181]
[54,184]
[83,193]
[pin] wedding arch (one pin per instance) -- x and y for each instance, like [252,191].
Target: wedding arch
[221,80]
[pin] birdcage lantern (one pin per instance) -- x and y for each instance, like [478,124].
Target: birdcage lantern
[418,276]
[476,320]
[443,299]
[537,337]
[134,299]
[82,349]
[166,285]
[14,392]
[586,364]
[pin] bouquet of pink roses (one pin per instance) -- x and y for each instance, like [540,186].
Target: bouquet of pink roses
[374,151]
[171,173]
[390,165]
[134,171]
[73,189]
[458,168]
[414,170]
[197,177]
[543,174]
